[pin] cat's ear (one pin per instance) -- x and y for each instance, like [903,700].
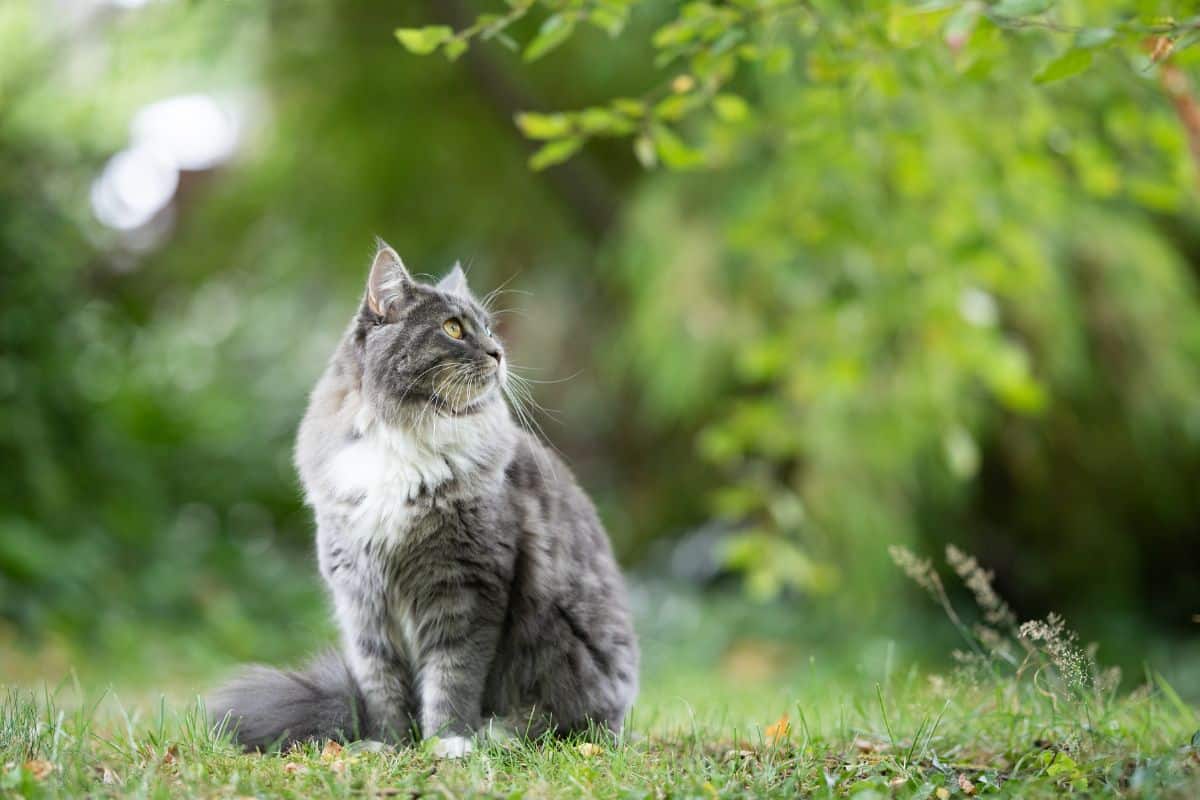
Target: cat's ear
[455,282]
[389,280]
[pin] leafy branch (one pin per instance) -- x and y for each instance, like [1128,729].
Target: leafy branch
[712,40]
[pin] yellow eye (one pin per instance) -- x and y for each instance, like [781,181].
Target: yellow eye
[453,328]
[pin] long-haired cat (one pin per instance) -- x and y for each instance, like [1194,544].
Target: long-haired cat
[472,580]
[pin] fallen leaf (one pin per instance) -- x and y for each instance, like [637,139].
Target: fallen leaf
[331,750]
[39,768]
[294,768]
[897,782]
[589,750]
[780,729]
[942,793]
[171,756]
[867,746]
[965,784]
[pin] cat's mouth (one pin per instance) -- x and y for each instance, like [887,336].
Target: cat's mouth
[468,388]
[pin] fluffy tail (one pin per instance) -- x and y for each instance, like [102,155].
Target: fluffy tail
[266,707]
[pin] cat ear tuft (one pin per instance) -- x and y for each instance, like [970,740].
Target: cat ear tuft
[388,281]
[455,282]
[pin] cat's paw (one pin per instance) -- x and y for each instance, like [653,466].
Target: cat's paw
[452,747]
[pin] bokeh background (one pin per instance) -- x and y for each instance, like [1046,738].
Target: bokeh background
[908,297]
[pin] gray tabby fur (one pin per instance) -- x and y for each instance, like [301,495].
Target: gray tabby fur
[472,580]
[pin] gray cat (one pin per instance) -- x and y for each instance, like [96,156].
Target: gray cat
[474,586]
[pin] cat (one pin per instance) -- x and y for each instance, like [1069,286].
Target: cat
[474,586]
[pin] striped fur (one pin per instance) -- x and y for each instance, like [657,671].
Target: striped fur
[471,578]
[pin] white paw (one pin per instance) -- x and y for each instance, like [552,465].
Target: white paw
[452,747]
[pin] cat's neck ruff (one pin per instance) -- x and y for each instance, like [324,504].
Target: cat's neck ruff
[387,471]
[475,436]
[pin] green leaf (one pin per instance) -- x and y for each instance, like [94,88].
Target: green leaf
[643,148]
[455,48]
[1021,8]
[1196,740]
[675,106]
[630,107]
[610,20]
[543,126]
[674,152]
[730,107]
[423,41]
[1072,62]
[603,121]
[674,34]
[554,31]
[555,152]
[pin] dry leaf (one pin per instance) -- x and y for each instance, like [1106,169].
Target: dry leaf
[779,729]
[942,793]
[897,782]
[331,750]
[867,746]
[39,768]
[965,784]
[589,750]
[171,756]
[294,768]
[338,766]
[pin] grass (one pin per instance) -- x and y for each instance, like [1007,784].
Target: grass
[732,706]
[916,739]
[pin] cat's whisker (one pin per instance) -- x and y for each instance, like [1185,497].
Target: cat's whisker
[486,302]
[516,369]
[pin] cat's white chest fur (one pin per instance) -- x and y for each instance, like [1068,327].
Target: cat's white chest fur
[384,483]
[387,474]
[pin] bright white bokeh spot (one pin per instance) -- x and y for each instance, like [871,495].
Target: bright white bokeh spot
[189,132]
[194,129]
[978,307]
[136,184]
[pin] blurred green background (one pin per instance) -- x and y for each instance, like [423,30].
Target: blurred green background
[894,291]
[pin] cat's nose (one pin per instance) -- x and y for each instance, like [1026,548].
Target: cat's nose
[494,352]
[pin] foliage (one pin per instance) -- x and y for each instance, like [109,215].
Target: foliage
[888,288]
[929,265]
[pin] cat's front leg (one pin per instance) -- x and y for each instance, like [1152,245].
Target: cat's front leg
[384,679]
[379,666]
[456,654]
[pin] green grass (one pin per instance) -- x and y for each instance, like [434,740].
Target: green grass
[865,717]
[916,740]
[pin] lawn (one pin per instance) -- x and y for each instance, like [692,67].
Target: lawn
[731,706]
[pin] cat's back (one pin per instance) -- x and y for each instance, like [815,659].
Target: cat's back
[563,543]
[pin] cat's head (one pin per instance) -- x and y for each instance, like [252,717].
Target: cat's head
[425,349]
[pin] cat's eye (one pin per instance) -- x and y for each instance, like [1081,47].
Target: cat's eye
[453,328]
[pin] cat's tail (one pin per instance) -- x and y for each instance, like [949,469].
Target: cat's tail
[264,707]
